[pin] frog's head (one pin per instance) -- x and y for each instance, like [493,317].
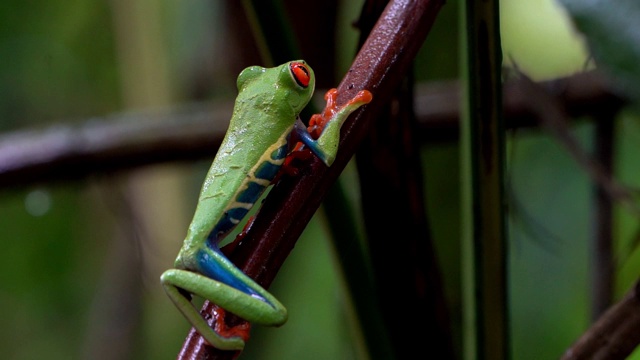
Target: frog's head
[300,80]
[291,83]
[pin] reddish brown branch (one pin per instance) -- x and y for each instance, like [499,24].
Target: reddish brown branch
[379,67]
[614,336]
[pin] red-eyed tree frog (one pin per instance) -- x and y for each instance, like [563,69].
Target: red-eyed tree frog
[265,116]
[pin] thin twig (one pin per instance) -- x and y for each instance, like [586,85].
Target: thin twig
[554,118]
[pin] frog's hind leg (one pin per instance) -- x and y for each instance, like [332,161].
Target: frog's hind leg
[222,283]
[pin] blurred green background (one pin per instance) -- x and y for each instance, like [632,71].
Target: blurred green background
[81,260]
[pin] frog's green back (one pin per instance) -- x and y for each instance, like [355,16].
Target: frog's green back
[268,102]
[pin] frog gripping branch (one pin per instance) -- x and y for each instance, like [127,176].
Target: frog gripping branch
[265,116]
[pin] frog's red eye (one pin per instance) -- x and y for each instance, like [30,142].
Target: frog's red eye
[300,74]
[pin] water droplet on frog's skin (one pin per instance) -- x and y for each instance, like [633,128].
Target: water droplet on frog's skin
[37,202]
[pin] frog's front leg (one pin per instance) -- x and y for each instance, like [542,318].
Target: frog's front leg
[219,281]
[323,134]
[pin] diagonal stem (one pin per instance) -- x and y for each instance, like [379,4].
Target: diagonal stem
[379,67]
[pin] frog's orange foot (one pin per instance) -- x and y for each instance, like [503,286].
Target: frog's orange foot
[362,97]
[291,163]
[318,121]
[220,327]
